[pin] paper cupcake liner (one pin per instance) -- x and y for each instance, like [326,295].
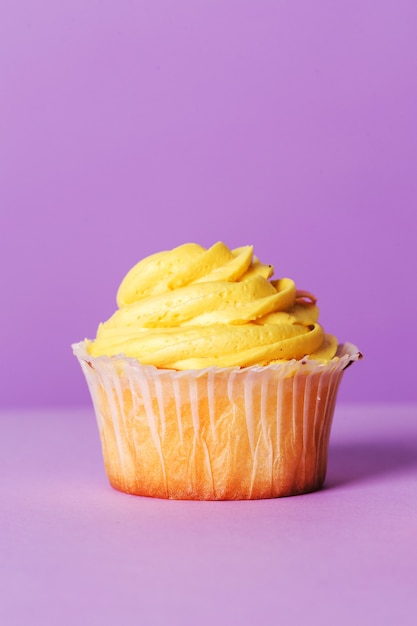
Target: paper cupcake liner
[214,434]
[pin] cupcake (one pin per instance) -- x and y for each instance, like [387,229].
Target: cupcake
[212,381]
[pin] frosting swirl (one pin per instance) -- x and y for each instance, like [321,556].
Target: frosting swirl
[191,308]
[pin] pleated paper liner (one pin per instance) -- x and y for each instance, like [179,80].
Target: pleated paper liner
[214,434]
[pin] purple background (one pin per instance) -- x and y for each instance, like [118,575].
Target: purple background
[130,127]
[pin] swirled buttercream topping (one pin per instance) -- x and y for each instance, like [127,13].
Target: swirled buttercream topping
[192,307]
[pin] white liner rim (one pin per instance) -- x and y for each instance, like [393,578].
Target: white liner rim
[346,354]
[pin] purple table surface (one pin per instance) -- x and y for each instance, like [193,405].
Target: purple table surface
[74,551]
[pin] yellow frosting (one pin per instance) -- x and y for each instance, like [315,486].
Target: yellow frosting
[191,308]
